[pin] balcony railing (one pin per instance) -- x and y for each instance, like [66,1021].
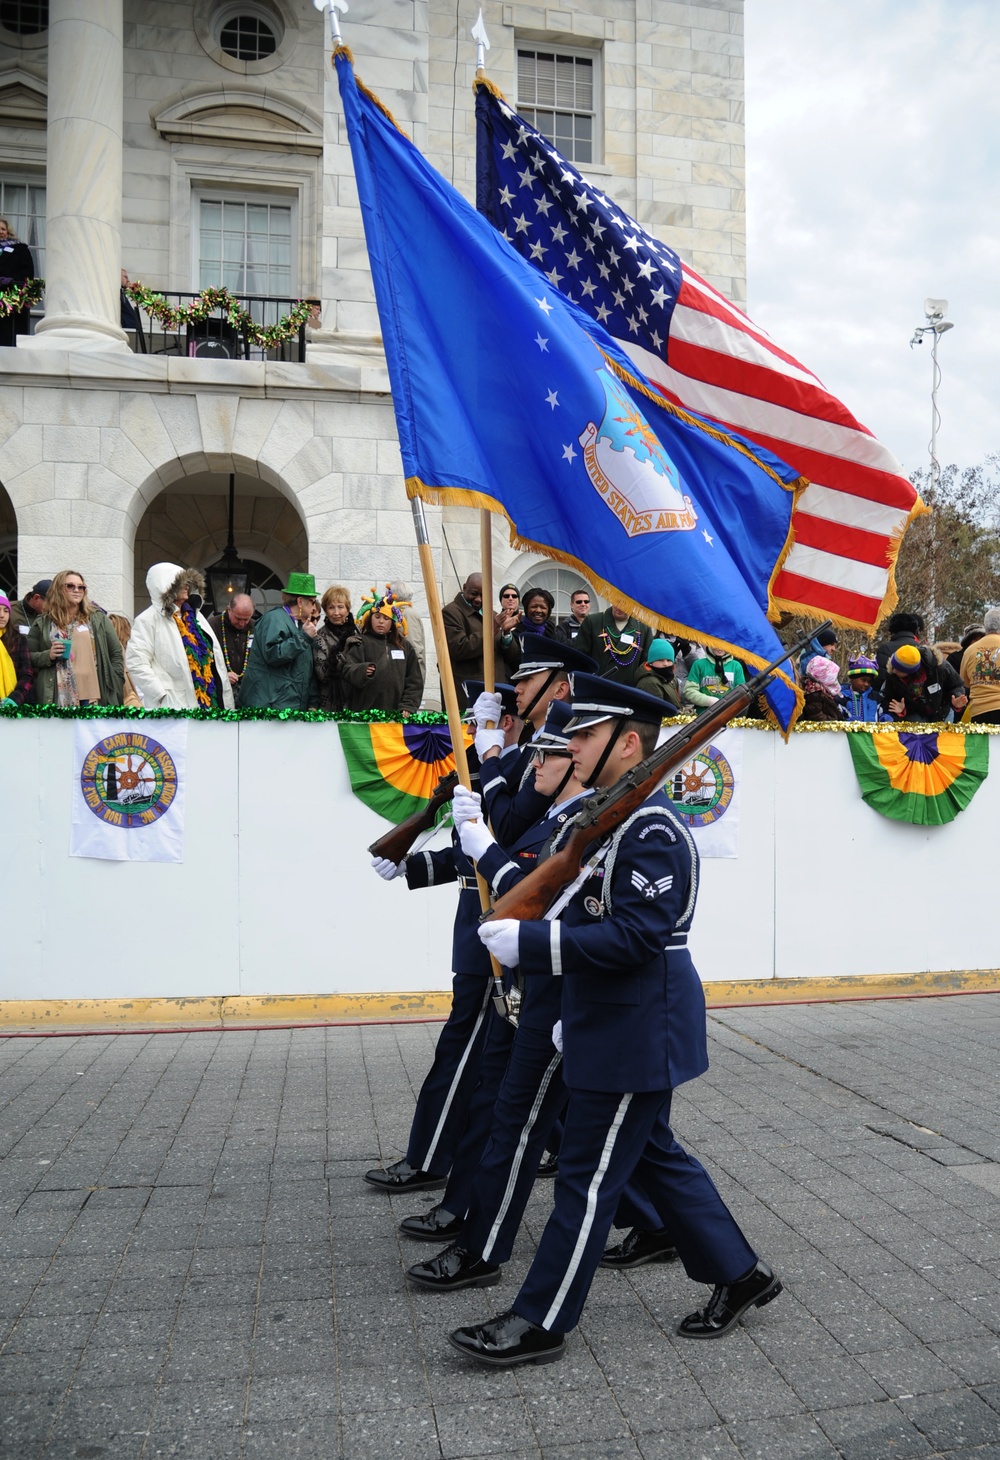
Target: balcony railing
[214,338]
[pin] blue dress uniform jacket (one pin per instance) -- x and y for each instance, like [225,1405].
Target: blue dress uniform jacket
[509,795]
[633,1009]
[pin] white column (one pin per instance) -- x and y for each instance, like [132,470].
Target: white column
[83,179]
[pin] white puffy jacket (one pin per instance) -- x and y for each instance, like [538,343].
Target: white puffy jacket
[155,655]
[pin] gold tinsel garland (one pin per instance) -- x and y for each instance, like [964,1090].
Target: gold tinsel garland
[176,316]
[21,296]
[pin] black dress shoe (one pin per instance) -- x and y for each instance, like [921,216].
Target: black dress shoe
[507,1340]
[437,1225]
[640,1247]
[730,1301]
[401,1177]
[452,1269]
[548,1165]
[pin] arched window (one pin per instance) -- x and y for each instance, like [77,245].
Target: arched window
[561,582]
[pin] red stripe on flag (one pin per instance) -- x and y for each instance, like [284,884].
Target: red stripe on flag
[836,472]
[737,320]
[846,542]
[758,382]
[809,595]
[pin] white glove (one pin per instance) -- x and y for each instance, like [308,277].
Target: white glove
[489,740]
[557,1035]
[487,707]
[387,870]
[501,939]
[475,837]
[466,805]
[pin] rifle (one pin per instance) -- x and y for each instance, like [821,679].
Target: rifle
[395,844]
[609,806]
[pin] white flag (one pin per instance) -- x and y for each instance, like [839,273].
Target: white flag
[128,790]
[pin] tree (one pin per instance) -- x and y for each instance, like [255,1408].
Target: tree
[948,567]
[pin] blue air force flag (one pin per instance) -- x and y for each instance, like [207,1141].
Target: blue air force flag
[509,397]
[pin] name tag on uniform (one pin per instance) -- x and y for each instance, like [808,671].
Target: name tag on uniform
[23,629]
[627,639]
[932,689]
[397,654]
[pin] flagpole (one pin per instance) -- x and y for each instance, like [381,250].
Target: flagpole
[486,572]
[448,692]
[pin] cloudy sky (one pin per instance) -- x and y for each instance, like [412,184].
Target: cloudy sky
[873,182]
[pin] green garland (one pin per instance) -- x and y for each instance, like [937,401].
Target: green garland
[21,296]
[309,717]
[175,317]
[433,717]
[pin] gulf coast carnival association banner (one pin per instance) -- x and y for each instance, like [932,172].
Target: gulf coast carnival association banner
[128,790]
[706,793]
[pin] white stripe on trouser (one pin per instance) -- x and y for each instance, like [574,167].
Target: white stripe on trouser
[429,1155]
[529,1125]
[588,1216]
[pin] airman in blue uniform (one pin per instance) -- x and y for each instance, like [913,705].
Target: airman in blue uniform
[632,1029]
[442,1105]
[520,1093]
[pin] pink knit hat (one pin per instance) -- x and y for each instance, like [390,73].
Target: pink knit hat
[824,672]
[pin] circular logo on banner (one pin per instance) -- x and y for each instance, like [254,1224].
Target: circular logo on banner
[702,788]
[128,780]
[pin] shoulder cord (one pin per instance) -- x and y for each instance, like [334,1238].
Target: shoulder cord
[662,812]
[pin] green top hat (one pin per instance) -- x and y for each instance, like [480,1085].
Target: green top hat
[302,585]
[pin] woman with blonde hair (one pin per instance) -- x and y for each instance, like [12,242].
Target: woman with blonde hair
[74,651]
[336,627]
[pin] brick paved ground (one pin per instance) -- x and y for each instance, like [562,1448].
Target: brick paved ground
[190,1264]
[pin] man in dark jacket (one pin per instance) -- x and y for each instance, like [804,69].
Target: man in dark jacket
[917,687]
[617,642]
[279,672]
[24,611]
[463,627]
[579,608]
[902,628]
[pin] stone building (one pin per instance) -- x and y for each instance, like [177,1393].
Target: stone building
[198,142]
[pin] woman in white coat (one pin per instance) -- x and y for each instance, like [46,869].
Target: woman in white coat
[173,657]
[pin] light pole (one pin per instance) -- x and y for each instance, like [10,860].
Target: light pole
[934,310]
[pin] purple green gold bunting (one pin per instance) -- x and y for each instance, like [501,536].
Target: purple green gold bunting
[394,769]
[923,778]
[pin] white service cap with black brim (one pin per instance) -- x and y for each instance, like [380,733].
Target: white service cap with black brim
[596,700]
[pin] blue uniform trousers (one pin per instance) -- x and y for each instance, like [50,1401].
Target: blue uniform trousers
[530,1100]
[479,1114]
[607,1137]
[442,1104]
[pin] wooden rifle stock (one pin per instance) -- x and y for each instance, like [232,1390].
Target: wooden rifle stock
[608,807]
[395,844]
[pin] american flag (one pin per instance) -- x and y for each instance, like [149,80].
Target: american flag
[706,356]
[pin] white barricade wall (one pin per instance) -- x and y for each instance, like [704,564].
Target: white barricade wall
[275,894]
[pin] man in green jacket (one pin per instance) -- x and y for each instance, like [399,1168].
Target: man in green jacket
[279,672]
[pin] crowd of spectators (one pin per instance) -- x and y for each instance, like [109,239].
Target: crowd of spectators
[58,647]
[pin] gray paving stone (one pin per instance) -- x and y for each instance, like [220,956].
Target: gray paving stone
[873,1430]
[952,1420]
[230,1213]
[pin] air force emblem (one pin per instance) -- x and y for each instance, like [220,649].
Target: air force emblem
[629,467]
[651,889]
